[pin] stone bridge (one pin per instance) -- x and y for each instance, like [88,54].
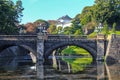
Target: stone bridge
[44,45]
[56,42]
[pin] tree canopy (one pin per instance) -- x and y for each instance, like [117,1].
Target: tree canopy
[103,11]
[10,16]
[42,23]
[107,10]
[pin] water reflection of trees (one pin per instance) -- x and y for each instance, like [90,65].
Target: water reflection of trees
[67,64]
[63,70]
[95,71]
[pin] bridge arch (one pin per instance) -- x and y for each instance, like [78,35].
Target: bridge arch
[81,45]
[31,51]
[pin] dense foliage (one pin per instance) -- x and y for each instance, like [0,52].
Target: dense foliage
[10,16]
[32,28]
[75,50]
[103,11]
[42,23]
[106,12]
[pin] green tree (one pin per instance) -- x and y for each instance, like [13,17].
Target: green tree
[52,29]
[75,26]
[78,32]
[102,11]
[113,28]
[42,23]
[10,15]
[105,29]
[107,10]
[86,19]
[59,29]
[67,30]
[86,15]
[18,10]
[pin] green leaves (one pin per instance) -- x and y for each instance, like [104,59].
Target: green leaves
[78,32]
[52,29]
[10,15]
[106,29]
[113,28]
[108,10]
[103,11]
[86,15]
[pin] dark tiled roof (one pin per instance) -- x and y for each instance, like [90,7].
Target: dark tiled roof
[66,17]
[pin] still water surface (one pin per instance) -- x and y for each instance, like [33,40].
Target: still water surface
[19,68]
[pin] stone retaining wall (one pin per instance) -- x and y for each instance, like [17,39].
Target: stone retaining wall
[113,50]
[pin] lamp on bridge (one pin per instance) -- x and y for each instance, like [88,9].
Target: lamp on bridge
[41,31]
[100,27]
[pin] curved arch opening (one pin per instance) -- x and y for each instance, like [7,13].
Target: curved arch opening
[16,58]
[91,51]
[22,51]
[74,57]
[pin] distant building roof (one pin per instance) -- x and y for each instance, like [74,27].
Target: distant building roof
[64,21]
[66,17]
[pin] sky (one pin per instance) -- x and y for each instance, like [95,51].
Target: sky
[52,9]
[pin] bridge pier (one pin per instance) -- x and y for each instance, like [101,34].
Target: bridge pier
[100,70]
[40,59]
[101,47]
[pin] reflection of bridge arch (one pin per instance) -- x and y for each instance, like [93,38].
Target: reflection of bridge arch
[92,51]
[31,51]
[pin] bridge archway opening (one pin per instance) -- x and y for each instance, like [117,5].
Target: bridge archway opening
[91,51]
[18,51]
[70,58]
[71,50]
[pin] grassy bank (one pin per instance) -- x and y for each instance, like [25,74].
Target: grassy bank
[74,50]
[94,34]
[78,63]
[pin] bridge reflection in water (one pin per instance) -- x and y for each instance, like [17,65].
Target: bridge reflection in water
[57,69]
[16,68]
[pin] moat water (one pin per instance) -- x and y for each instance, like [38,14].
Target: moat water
[21,68]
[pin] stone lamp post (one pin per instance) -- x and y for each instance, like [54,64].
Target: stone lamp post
[101,44]
[100,27]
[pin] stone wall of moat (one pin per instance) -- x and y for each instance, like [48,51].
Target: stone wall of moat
[113,50]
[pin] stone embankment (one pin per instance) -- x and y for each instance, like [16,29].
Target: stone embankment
[113,49]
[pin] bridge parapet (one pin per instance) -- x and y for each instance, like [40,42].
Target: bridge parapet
[118,36]
[72,39]
[66,37]
[101,37]
[18,37]
[47,37]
